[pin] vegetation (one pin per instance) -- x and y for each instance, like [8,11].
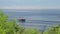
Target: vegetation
[54,30]
[11,27]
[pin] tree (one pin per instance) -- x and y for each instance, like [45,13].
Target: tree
[11,27]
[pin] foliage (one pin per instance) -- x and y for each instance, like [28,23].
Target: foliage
[54,30]
[11,27]
[30,31]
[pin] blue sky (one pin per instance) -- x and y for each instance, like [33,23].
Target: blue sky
[30,4]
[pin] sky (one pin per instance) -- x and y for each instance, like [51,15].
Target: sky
[30,4]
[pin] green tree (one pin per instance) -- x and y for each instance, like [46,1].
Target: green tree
[12,27]
[53,30]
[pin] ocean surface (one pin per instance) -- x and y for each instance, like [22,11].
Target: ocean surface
[40,19]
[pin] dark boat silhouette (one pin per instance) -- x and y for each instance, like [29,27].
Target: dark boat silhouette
[22,19]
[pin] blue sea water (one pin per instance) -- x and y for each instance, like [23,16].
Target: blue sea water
[40,19]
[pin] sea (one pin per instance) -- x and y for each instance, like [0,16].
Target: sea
[41,19]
